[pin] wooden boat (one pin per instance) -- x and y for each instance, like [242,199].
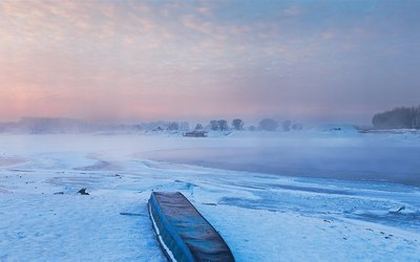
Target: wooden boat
[183,233]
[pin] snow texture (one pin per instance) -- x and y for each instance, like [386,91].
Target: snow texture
[262,216]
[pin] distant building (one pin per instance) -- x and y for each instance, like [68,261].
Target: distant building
[196,133]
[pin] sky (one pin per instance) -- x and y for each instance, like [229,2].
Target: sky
[320,60]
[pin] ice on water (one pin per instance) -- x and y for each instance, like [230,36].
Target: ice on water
[263,214]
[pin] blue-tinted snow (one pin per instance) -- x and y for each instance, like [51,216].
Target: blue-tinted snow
[262,215]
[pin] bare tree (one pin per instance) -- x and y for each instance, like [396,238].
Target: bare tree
[286,125]
[184,125]
[268,124]
[214,125]
[297,126]
[238,124]
[173,126]
[223,125]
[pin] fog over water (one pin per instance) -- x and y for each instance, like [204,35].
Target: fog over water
[356,158]
[379,157]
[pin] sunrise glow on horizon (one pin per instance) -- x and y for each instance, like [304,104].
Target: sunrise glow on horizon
[202,59]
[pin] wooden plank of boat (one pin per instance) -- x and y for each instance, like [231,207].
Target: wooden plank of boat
[184,234]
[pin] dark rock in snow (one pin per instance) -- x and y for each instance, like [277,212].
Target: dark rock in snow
[83,191]
[210,204]
[398,210]
[132,214]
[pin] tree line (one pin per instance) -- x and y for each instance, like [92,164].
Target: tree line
[398,118]
[267,124]
[64,125]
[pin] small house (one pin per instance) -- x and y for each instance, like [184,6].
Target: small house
[196,133]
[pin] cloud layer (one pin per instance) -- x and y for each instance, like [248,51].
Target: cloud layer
[201,59]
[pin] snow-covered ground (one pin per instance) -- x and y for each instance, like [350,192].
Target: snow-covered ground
[262,216]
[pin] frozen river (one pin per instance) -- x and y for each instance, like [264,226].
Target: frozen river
[291,202]
[376,157]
